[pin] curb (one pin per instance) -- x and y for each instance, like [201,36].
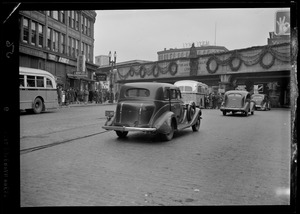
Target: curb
[86,105]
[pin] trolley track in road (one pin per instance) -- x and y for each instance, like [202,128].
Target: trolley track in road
[32,149]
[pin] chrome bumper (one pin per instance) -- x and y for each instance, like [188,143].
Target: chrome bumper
[124,128]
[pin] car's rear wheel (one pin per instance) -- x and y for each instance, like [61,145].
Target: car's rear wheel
[121,134]
[224,113]
[169,136]
[196,126]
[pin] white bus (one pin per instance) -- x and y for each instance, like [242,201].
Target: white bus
[193,91]
[37,90]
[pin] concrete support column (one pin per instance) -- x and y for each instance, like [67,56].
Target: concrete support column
[225,83]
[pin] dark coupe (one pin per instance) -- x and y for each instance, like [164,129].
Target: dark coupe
[152,107]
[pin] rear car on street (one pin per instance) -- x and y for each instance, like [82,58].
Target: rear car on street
[237,101]
[152,107]
[262,102]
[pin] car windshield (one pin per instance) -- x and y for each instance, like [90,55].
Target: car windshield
[137,92]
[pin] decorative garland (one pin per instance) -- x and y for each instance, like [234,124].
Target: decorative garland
[231,63]
[213,58]
[154,70]
[261,62]
[142,71]
[247,60]
[173,68]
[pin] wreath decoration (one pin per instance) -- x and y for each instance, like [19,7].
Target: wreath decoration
[131,71]
[155,70]
[262,57]
[211,59]
[173,68]
[236,68]
[142,72]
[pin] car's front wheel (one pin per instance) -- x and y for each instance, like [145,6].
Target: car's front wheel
[196,126]
[224,113]
[121,134]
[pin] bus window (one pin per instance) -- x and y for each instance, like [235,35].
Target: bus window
[30,81]
[188,88]
[49,83]
[40,81]
[21,79]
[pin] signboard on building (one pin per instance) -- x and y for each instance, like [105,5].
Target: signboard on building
[52,57]
[63,60]
[282,22]
[101,77]
[81,63]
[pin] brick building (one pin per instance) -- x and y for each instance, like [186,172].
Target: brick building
[61,42]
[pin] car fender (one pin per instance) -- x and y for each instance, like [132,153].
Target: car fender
[163,123]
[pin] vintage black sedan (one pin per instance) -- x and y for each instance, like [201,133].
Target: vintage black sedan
[237,101]
[262,102]
[152,107]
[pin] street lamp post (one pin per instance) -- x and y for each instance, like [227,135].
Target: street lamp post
[112,63]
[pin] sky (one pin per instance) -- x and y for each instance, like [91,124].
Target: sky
[140,34]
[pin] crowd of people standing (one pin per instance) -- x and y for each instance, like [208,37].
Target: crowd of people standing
[213,100]
[75,96]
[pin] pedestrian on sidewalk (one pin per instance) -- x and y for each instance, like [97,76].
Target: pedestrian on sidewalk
[86,96]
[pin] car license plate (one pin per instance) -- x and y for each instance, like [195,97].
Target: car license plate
[109,113]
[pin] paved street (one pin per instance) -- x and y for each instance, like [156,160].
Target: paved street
[67,159]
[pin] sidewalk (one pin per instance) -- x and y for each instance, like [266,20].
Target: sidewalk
[87,104]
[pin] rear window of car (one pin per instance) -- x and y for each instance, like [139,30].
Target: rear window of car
[234,95]
[137,92]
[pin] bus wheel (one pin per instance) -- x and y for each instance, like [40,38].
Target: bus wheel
[37,105]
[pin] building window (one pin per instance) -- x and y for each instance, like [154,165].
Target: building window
[82,24]
[70,18]
[25,30]
[82,48]
[55,40]
[62,43]
[85,25]
[62,16]
[41,35]
[70,46]
[49,38]
[77,48]
[89,28]
[33,33]
[73,18]
[73,47]
[48,13]
[76,21]
[55,14]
